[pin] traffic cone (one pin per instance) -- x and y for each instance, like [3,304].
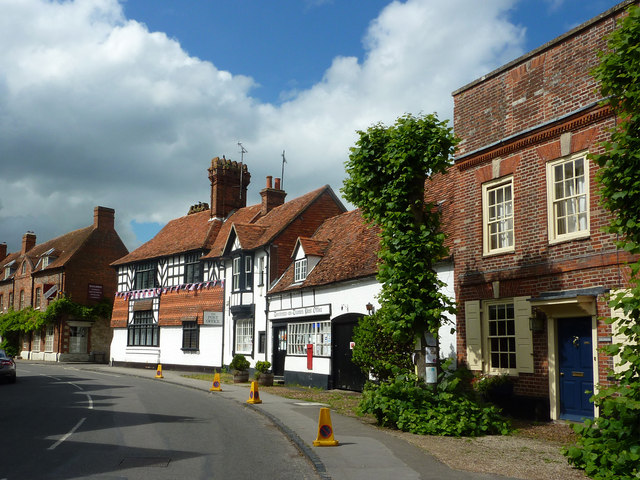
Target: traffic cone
[159,371]
[325,430]
[217,386]
[254,395]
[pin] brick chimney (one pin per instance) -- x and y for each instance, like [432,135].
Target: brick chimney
[229,181]
[103,218]
[271,197]
[28,242]
[3,251]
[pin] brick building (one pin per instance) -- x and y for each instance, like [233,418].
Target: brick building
[195,294]
[75,265]
[533,267]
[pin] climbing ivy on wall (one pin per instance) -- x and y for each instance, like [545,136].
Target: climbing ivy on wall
[609,446]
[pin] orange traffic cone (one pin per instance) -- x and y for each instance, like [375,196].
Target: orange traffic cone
[254,395]
[216,386]
[159,371]
[325,430]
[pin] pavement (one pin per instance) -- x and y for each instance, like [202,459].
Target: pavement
[364,452]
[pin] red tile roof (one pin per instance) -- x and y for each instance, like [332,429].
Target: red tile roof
[274,222]
[351,252]
[313,247]
[188,233]
[64,247]
[197,232]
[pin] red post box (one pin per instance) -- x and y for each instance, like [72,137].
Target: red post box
[309,356]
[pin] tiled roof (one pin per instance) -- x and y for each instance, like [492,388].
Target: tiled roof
[248,235]
[351,252]
[63,247]
[191,232]
[272,223]
[313,247]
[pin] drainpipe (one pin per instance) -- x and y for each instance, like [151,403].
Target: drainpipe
[267,332]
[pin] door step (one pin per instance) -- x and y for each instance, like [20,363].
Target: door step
[278,380]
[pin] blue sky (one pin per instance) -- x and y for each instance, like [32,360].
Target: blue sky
[124,103]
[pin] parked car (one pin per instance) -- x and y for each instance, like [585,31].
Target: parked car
[7,367]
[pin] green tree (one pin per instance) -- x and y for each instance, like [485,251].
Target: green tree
[387,171]
[609,446]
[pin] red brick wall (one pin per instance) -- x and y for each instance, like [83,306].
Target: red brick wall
[175,306]
[492,116]
[304,225]
[540,87]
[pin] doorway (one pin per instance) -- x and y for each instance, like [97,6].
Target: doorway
[78,339]
[346,374]
[575,366]
[279,349]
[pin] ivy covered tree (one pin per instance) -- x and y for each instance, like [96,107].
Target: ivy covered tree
[387,171]
[609,446]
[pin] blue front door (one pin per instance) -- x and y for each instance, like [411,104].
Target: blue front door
[576,368]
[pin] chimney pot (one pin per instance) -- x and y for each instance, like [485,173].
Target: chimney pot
[3,250]
[277,184]
[269,183]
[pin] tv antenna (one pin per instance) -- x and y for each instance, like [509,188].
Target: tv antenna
[284,160]
[242,152]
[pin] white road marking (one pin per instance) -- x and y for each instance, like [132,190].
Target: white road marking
[90,401]
[67,435]
[75,385]
[55,378]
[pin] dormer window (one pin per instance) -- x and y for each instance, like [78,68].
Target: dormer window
[47,258]
[300,270]
[9,269]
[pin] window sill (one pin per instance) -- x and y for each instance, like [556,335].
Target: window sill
[570,238]
[495,253]
[190,350]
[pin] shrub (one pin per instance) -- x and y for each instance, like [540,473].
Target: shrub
[377,353]
[261,367]
[239,363]
[410,405]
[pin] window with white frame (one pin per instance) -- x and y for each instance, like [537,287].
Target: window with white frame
[248,272]
[37,339]
[299,335]
[48,339]
[38,298]
[244,336]
[21,304]
[497,213]
[502,336]
[568,198]
[261,272]
[236,273]
[300,270]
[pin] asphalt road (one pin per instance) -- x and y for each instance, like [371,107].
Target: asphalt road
[58,422]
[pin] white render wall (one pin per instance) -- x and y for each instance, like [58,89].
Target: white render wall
[170,349]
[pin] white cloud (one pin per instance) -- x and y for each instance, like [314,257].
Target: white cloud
[96,110]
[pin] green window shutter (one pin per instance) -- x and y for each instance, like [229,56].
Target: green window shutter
[474,334]
[524,341]
[616,336]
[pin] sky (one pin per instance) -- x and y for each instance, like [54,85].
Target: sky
[123,103]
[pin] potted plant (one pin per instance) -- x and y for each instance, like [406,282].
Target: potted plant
[240,368]
[263,375]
